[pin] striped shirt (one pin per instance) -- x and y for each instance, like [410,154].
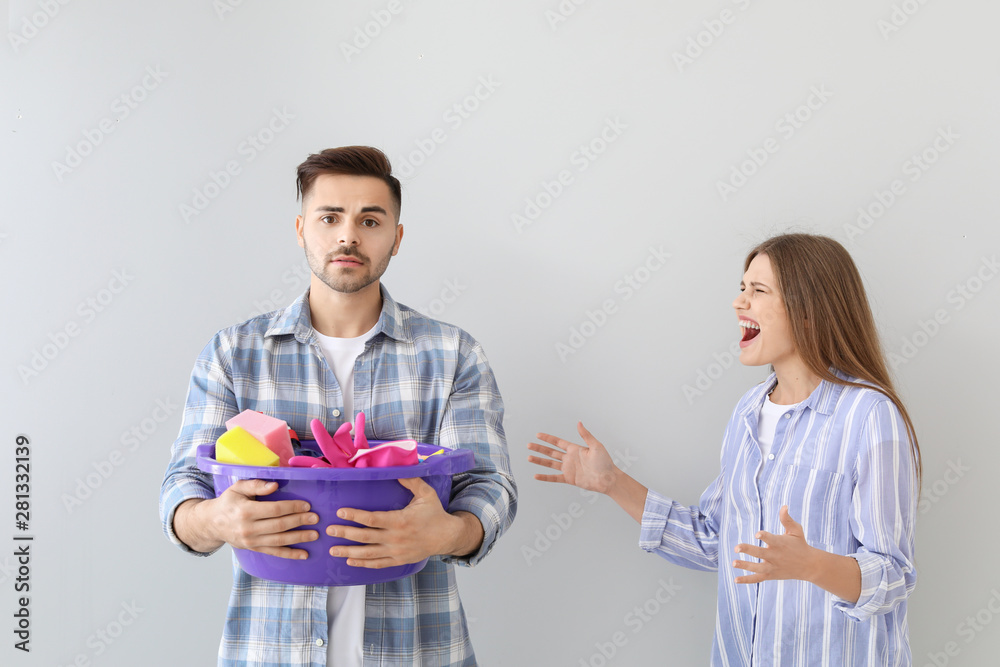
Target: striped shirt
[842,463]
[416,379]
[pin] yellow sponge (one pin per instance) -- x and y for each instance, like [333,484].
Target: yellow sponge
[238,446]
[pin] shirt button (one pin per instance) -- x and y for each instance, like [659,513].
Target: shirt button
[788,415]
[319,642]
[336,413]
[770,457]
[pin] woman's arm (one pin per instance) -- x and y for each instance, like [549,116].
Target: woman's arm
[686,536]
[789,556]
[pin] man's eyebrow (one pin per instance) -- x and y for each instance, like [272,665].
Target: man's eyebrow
[340,209]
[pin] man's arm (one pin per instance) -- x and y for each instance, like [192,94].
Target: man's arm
[192,517]
[469,539]
[420,530]
[473,419]
[236,518]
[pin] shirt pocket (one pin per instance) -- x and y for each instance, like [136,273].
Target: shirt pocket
[813,497]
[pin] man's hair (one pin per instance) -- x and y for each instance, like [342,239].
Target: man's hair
[351,161]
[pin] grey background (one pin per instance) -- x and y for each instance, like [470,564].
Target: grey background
[226,69]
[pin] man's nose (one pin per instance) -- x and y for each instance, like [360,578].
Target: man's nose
[348,235]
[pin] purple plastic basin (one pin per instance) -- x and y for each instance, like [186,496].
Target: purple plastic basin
[327,490]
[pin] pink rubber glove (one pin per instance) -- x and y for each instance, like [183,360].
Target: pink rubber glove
[337,457]
[342,438]
[308,462]
[360,441]
[397,453]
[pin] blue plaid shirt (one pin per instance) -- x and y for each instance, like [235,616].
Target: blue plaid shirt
[416,379]
[842,462]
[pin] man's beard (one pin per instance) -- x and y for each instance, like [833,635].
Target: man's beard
[346,284]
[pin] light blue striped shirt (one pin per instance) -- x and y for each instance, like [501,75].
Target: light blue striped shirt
[416,379]
[842,462]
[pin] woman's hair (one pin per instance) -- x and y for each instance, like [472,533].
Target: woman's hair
[831,321]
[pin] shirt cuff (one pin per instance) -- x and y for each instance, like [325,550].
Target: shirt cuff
[654,521]
[483,510]
[872,598]
[184,488]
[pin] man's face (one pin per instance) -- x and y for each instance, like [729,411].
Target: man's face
[349,231]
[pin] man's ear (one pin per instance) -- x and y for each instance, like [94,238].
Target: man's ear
[399,239]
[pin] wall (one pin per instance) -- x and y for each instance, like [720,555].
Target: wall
[581,182]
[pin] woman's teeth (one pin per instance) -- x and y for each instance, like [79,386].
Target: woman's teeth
[750,330]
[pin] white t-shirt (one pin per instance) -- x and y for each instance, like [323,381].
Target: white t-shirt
[341,354]
[345,605]
[767,424]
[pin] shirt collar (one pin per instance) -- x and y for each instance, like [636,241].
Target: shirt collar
[296,319]
[822,399]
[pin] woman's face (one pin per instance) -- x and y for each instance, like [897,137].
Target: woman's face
[766,333]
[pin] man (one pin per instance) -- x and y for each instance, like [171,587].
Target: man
[345,346]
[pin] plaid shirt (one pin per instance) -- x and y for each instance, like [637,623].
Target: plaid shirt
[416,379]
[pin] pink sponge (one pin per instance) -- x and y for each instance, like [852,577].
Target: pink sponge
[269,430]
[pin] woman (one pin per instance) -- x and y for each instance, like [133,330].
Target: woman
[816,499]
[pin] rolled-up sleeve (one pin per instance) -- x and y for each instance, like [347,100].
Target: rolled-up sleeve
[883,514]
[683,535]
[209,403]
[473,419]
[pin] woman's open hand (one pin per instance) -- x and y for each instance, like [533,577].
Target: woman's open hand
[589,468]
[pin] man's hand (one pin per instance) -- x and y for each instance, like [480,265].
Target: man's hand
[418,531]
[237,518]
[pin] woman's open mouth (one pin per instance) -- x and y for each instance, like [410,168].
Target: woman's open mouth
[750,331]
